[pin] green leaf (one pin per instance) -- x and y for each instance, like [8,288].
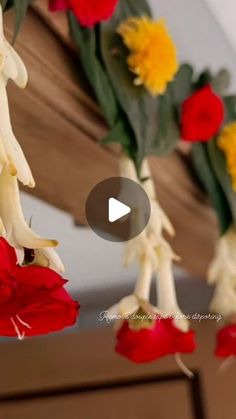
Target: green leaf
[131,8]
[218,162]
[118,134]
[167,135]
[141,109]
[135,101]
[5,3]
[230,108]
[204,78]
[85,40]
[121,132]
[221,82]
[181,87]
[206,174]
[21,7]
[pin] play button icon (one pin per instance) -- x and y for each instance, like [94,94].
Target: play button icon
[118,209]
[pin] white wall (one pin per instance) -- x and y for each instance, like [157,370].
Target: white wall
[199,38]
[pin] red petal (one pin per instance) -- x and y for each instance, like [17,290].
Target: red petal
[226,341]
[146,345]
[36,277]
[55,5]
[8,258]
[50,317]
[202,115]
[90,12]
[143,345]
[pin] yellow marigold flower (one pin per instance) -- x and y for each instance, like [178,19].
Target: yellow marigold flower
[227,143]
[153,55]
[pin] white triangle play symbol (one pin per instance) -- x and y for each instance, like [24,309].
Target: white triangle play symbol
[117,210]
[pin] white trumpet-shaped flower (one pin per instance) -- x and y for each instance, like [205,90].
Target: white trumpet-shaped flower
[11,154]
[138,247]
[152,236]
[224,262]
[17,232]
[152,245]
[222,273]
[159,221]
[167,300]
[224,299]
[48,258]
[139,300]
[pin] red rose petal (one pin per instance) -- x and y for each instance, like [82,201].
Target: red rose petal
[146,345]
[202,115]
[33,300]
[226,341]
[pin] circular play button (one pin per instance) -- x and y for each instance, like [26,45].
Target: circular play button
[118,209]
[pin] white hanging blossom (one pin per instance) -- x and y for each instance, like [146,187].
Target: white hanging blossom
[48,258]
[11,154]
[154,255]
[222,273]
[152,235]
[167,300]
[139,300]
[14,167]
[18,233]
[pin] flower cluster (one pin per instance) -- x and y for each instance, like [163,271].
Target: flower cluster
[138,339]
[153,55]
[14,167]
[33,300]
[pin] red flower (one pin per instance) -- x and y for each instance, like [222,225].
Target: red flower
[202,115]
[146,345]
[55,5]
[88,12]
[226,341]
[33,300]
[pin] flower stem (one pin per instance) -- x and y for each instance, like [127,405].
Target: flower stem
[182,366]
[167,301]
[143,285]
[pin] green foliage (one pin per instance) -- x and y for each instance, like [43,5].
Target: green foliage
[167,132]
[6,4]
[151,119]
[86,41]
[182,86]
[230,109]
[218,161]
[221,82]
[205,170]
[130,8]
[122,134]
[204,78]
[21,7]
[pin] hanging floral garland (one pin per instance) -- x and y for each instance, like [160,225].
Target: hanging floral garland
[32,294]
[150,103]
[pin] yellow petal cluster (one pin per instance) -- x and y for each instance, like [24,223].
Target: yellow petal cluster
[227,143]
[153,56]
